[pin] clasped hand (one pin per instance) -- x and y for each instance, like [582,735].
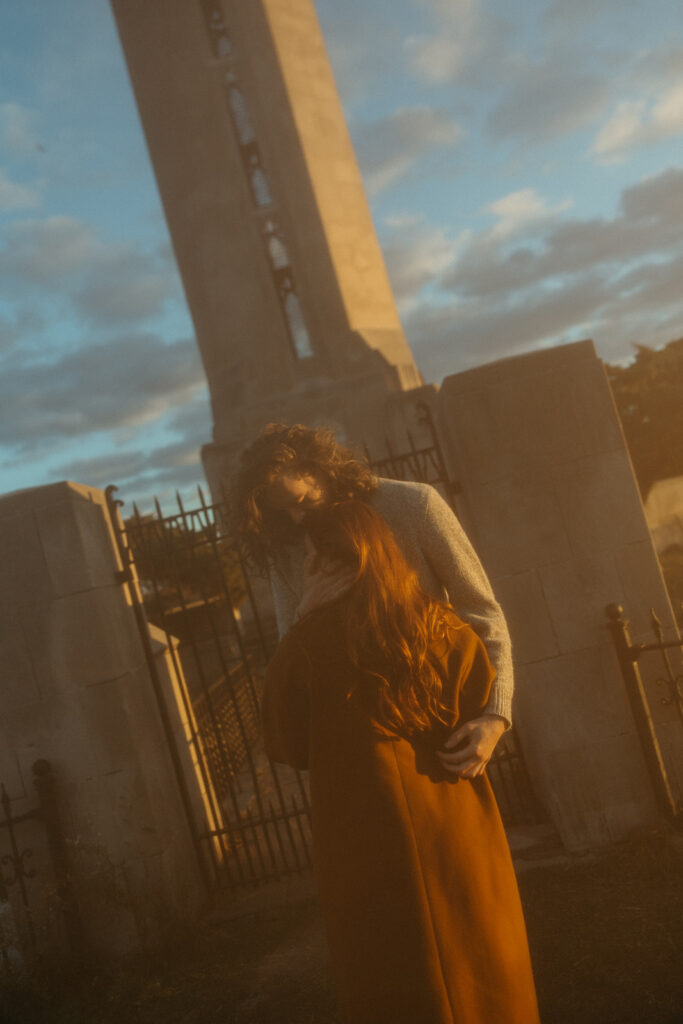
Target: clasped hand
[470,748]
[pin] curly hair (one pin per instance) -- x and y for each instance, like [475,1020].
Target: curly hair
[298,449]
[391,624]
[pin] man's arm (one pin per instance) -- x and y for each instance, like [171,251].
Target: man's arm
[456,564]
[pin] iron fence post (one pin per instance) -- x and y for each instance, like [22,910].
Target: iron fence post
[627,654]
[129,578]
[49,813]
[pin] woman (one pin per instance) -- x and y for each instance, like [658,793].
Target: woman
[414,874]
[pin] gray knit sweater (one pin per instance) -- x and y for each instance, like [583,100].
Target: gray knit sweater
[436,545]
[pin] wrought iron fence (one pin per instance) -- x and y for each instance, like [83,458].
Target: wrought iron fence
[670,682]
[20,938]
[423,463]
[196,586]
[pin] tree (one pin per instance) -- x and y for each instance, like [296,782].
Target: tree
[649,398]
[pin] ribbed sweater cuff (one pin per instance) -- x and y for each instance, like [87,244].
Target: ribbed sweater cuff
[500,704]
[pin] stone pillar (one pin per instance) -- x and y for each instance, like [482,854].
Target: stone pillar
[75,690]
[550,501]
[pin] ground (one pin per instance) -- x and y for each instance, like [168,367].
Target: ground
[606,934]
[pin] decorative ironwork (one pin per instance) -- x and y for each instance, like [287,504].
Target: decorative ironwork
[671,682]
[628,654]
[198,590]
[282,272]
[424,464]
[15,872]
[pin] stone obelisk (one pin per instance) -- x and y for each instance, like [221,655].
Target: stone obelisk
[293,311]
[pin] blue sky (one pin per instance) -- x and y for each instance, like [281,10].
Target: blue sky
[524,165]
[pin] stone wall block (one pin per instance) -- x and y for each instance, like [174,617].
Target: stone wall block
[24,578]
[133,807]
[55,730]
[154,758]
[643,589]
[600,503]
[106,717]
[515,368]
[77,692]
[587,815]
[580,697]
[543,414]
[74,538]
[552,506]
[576,596]
[595,414]
[518,526]
[579,736]
[526,611]
[10,774]
[20,685]
[85,639]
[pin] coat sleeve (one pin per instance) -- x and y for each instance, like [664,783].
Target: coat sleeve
[455,563]
[471,674]
[285,705]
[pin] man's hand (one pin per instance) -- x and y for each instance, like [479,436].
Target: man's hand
[468,750]
[322,583]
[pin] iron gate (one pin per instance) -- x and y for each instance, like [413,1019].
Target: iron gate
[195,584]
[670,682]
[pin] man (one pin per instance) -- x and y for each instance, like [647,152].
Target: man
[289,470]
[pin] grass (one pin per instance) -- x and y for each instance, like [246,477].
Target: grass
[606,935]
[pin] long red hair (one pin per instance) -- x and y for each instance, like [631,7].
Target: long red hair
[391,623]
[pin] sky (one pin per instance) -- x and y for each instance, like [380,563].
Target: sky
[523,160]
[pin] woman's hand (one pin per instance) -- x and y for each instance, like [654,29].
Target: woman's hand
[470,748]
[323,582]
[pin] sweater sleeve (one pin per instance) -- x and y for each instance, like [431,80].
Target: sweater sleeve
[455,563]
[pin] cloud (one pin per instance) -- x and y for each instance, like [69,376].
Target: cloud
[351,32]
[127,381]
[457,335]
[110,284]
[102,470]
[150,466]
[647,222]
[568,15]
[143,470]
[23,322]
[467,43]
[124,286]
[14,196]
[46,252]
[659,67]
[519,211]
[390,146]
[547,98]
[538,277]
[17,131]
[638,123]
[415,254]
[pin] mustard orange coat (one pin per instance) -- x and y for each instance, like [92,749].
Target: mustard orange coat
[415,878]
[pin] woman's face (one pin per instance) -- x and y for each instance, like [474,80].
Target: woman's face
[295,494]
